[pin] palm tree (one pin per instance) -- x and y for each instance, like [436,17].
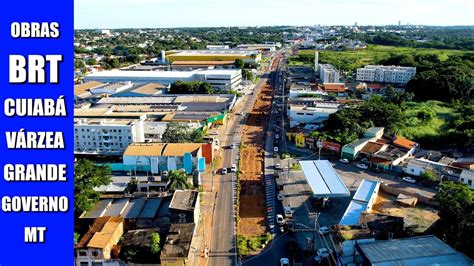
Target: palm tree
[178,179]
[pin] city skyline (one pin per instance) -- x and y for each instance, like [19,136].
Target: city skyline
[90,14]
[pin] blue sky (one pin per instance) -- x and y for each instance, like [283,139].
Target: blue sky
[197,13]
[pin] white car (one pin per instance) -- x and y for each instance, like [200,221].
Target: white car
[362,166]
[409,179]
[322,253]
[343,160]
[214,133]
[231,146]
[277,166]
[280,219]
[288,212]
[324,230]
[282,230]
[280,196]
[233,168]
[284,262]
[224,171]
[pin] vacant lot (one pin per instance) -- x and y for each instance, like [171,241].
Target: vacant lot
[419,218]
[416,128]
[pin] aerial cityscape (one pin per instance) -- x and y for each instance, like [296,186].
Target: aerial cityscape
[274,145]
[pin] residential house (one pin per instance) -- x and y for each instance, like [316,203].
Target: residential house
[177,248]
[467,177]
[95,247]
[185,207]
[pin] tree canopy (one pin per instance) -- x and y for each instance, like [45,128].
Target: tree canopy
[178,179]
[87,176]
[181,133]
[191,87]
[456,214]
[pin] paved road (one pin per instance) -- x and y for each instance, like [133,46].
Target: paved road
[223,243]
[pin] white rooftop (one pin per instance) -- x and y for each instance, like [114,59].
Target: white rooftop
[323,179]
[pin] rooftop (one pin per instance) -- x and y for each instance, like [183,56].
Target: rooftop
[366,190]
[178,241]
[84,88]
[161,149]
[352,214]
[422,250]
[184,200]
[323,179]
[139,238]
[205,63]
[371,147]
[100,233]
[403,143]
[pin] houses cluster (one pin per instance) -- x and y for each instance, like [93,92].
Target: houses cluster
[400,155]
[129,228]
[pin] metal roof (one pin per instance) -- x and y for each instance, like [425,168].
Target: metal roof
[422,250]
[150,209]
[117,207]
[134,208]
[353,212]
[323,179]
[366,190]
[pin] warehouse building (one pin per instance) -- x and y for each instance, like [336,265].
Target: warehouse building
[219,79]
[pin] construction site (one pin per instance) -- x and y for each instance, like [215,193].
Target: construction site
[252,211]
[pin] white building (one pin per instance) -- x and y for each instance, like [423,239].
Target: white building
[467,177]
[106,136]
[220,79]
[314,114]
[328,74]
[386,74]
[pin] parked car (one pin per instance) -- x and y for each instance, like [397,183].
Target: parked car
[362,166]
[231,146]
[343,160]
[280,219]
[364,160]
[275,149]
[214,133]
[282,229]
[324,230]
[277,166]
[224,171]
[409,179]
[284,262]
[233,168]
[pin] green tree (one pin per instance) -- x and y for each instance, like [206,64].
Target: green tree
[239,63]
[428,175]
[456,214]
[425,115]
[155,243]
[76,238]
[87,176]
[178,179]
[180,133]
[191,87]
[79,63]
[91,62]
[248,75]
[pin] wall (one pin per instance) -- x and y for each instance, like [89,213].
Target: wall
[396,191]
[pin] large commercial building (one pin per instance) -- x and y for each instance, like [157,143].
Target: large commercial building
[328,74]
[311,113]
[386,74]
[220,79]
[250,56]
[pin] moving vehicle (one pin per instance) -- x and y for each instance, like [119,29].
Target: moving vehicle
[224,171]
[214,133]
[288,212]
[282,230]
[280,219]
[231,146]
[277,166]
[275,149]
[324,230]
[343,160]
[233,168]
[409,179]
[362,166]
[322,253]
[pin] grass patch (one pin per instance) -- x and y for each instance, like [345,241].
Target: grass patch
[248,245]
[417,128]
[350,60]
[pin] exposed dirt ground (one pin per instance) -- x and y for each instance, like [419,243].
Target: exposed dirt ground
[419,217]
[252,194]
